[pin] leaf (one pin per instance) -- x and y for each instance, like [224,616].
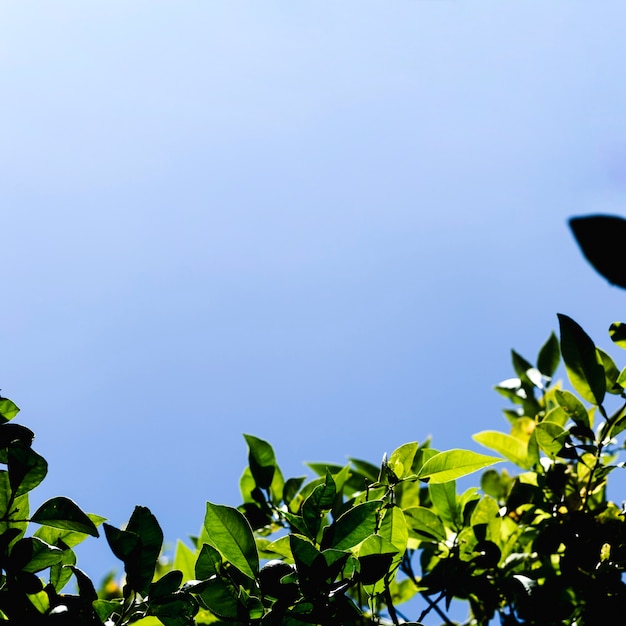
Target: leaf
[262,462]
[145,525]
[574,408]
[549,356]
[12,508]
[317,503]
[167,584]
[367,469]
[57,536]
[352,527]
[222,598]
[444,502]
[8,409]
[32,555]
[582,363]
[601,240]
[611,373]
[63,513]
[394,529]
[424,524]
[453,464]
[86,589]
[208,563]
[617,332]
[510,447]
[230,534]
[26,468]
[376,556]
[550,437]
[401,459]
[185,560]
[15,433]
[123,544]
[521,367]
[557,415]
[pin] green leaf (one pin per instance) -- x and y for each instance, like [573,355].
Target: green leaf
[549,356]
[367,469]
[12,508]
[317,504]
[401,459]
[376,556]
[394,529]
[123,544]
[521,367]
[444,501]
[557,415]
[8,409]
[352,527]
[60,573]
[617,332]
[573,407]
[167,584]
[550,437]
[63,513]
[32,555]
[583,365]
[611,373]
[106,608]
[453,464]
[223,599]
[230,534]
[262,462]
[145,525]
[185,560]
[26,468]
[512,448]
[208,563]
[424,524]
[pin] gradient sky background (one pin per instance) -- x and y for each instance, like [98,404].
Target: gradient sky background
[322,223]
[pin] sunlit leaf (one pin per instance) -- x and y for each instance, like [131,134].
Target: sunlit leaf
[510,447]
[230,534]
[401,459]
[352,527]
[453,464]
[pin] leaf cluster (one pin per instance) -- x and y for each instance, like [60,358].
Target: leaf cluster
[538,542]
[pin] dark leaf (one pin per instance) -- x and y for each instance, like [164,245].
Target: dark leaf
[583,365]
[601,239]
[15,433]
[63,513]
[549,356]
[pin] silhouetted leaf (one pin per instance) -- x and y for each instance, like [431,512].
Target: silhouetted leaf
[582,362]
[601,239]
[617,332]
[549,356]
[65,514]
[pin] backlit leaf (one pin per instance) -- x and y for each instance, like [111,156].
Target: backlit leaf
[453,464]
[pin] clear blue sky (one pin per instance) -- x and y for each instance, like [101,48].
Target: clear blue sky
[322,223]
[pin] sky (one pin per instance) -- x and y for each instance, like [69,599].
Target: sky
[322,223]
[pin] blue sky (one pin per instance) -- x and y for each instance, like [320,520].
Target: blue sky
[322,223]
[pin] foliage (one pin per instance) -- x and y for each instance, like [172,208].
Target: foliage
[350,546]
